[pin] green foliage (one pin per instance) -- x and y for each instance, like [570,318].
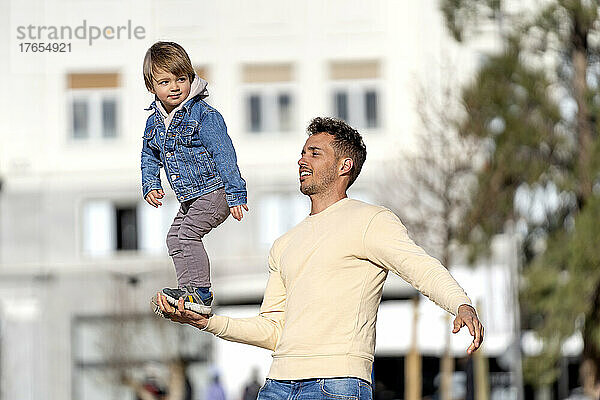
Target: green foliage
[560,287]
[510,109]
[524,109]
[541,369]
[460,13]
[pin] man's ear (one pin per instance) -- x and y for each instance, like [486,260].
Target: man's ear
[346,166]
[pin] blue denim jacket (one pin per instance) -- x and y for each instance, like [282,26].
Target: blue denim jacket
[196,153]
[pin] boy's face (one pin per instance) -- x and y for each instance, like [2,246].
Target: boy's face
[171,90]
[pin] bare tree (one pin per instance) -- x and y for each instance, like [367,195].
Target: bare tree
[428,188]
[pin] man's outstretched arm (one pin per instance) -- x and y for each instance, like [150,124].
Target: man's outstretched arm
[263,330]
[387,244]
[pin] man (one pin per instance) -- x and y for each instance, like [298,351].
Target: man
[326,278]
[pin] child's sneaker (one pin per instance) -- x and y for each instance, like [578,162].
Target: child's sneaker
[198,300]
[155,307]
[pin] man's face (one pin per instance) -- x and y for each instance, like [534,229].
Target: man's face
[318,164]
[171,90]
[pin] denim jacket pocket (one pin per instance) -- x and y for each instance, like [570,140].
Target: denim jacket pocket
[186,133]
[149,135]
[208,168]
[149,131]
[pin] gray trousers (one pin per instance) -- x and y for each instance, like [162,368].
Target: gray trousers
[195,218]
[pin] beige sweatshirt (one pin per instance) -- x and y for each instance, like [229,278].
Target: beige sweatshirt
[326,278]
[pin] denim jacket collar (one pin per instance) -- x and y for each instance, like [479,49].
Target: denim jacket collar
[186,105]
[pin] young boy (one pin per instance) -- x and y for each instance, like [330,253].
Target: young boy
[188,138]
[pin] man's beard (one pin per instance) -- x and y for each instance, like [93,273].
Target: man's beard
[319,185]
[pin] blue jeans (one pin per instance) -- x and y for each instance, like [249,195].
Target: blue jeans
[316,389]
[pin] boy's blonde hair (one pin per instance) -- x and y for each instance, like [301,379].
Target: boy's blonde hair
[169,57]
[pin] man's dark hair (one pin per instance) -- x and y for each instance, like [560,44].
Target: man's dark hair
[347,142]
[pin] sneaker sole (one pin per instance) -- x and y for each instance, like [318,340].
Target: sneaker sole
[156,308]
[195,307]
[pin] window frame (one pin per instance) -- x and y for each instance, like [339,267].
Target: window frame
[271,125]
[356,92]
[94,98]
[100,238]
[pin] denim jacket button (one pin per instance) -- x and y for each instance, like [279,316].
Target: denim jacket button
[173,177]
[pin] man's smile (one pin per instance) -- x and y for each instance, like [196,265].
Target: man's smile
[304,173]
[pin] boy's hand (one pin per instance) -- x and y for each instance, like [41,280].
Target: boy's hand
[153,196]
[237,212]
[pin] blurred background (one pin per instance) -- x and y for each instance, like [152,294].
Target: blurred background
[481,122]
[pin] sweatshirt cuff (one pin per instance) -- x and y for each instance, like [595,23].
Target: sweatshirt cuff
[462,301]
[216,325]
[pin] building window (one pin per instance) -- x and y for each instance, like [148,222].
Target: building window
[94,114]
[80,118]
[341,105]
[357,104]
[93,105]
[268,96]
[255,112]
[269,110]
[279,212]
[126,227]
[356,93]
[371,109]
[284,111]
[109,117]
[109,227]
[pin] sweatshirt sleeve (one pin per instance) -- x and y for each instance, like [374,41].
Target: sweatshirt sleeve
[388,245]
[263,330]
